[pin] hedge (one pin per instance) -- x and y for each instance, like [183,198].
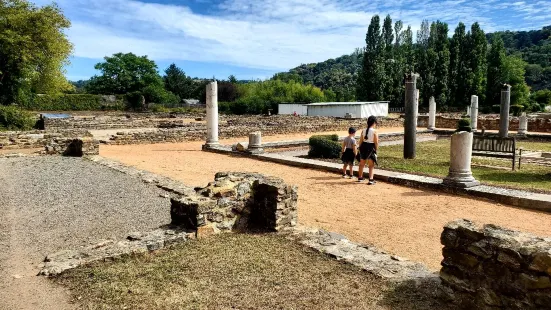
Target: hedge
[71,102]
[13,118]
[326,146]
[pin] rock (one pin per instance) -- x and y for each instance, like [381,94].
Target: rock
[542,262]
[531,282]
[205,231]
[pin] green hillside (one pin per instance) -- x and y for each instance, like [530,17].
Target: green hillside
[341,74]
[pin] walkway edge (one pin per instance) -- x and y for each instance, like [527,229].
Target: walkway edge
[515,198]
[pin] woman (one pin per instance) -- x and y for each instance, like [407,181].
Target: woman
[369,142]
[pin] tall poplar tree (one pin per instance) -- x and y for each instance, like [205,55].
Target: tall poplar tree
[459,72]
[477,55]
[495,74]
[438,58]
[423,66]
[390,62]
[371,79]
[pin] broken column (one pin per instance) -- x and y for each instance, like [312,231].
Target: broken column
[461,152]
[504,114]
[255,142]
[523,125]
[410,122]
[212,115]
[432,114]
[474,112]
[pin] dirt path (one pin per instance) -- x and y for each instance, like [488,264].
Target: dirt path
[51,203]
[401,220]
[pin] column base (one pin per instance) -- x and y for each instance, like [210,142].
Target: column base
[461,179]
[431,128]
[210,145]
[522,133]
[255,150]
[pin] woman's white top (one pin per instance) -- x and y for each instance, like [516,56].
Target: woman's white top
[370,135]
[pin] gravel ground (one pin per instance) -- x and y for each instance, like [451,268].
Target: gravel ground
[401,220]
[54,203]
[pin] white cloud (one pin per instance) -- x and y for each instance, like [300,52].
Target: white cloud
[268,34]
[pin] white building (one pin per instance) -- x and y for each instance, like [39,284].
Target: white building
[291,108]
[355,109]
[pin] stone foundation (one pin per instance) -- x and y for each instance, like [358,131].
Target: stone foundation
[73,147]
[490,267]
[489,123]
[237,202]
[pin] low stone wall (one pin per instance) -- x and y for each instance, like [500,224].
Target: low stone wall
[490,123]
[75,147]
[36,138]
[490,267]
[241,126]
[237,202]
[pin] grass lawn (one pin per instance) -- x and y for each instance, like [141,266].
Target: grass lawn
[237,271]
[433,159]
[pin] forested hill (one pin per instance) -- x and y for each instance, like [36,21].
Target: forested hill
[535,48]
[340,74]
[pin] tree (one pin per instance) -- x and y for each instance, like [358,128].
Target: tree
[439,56]
[477,54]
[371,79]
[177,82]
[128,73]
[33,50]
[232,79]
[389,61]
[495,75]
[513,74]
[424,67]
[460,74]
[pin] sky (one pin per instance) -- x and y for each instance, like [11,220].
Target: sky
[253,39]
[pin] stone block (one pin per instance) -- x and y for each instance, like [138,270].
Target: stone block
[205,231]
[542,262]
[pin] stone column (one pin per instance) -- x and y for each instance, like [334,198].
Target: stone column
[255,142]
[522,124]
[212,114]
[461,152]
[410,122]
[474,112]
[504,115]
[432,114]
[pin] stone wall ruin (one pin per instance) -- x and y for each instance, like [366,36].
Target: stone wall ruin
[489,267]
[237,202]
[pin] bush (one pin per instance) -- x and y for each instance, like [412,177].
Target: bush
[157,94]
[14,118]
[516,109]
[67,102]
[134,101]
[464,124]
[496,108]
[157,108]
[324,146]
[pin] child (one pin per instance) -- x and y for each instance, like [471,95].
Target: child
[369,143]
[349,152]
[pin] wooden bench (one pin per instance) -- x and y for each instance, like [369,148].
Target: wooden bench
[496,147]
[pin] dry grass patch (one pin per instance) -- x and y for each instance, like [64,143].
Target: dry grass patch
[237,271]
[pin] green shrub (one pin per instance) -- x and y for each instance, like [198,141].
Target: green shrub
[516,109]
[134,101]
[324,146]
[68,102]
[157,108]
[464,124]
[14,118]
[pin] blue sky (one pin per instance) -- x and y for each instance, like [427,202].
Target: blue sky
[253,39]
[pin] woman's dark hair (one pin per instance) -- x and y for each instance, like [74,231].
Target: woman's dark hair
[370,122]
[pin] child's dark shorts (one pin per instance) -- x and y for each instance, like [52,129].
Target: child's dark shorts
[348,157]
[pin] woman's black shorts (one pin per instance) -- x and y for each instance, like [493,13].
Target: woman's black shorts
[366,150]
